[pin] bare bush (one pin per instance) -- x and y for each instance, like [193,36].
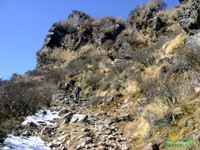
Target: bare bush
[105,21]
[77,66]
[148,88]
[67,26]
[144,58]
[55,75]
[35,72]
[94,81]
[193,59]
[23,98]
[170,92]
[186,61]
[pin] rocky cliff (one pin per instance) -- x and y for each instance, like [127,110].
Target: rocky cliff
[77,31]
[140,78]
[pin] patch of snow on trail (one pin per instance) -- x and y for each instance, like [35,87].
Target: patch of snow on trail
[42,115]
[23,143]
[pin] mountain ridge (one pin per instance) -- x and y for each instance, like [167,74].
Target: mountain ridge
[146,68]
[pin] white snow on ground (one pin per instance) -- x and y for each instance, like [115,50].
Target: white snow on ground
[42,115]
[24,143]
[30,143]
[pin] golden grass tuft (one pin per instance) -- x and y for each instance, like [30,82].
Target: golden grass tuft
[157,108]
[170,46]
[136,130]
[130,91]
[87,49]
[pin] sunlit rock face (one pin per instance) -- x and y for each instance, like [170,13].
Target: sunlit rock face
[189,16]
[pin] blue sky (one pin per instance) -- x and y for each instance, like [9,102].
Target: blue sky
[25,23]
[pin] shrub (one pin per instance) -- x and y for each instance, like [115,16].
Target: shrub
[122,65]
[104,22]
[23,98]
[148,88]
[193,59]
[108,44]
[94,81]
[35,72]
[78,65]
[143,57]
[185,61]
[170,93]
[67,26]
[105,86]
[156,5]
[53,76]
[139,15]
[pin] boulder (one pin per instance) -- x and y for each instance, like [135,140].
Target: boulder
[121,51]
[193,42]
[83,142]
[78,16]
[59,96]
[126,117]
[157,24]
[68,117]
[78,118]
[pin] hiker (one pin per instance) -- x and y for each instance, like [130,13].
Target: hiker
[59,85]
[67,86]
[77,91]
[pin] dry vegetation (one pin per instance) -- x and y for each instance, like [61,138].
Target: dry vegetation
[159,76]
[20,98]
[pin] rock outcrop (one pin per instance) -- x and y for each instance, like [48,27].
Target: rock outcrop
[189,16]
[78,30]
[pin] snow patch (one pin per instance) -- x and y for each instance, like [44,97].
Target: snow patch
[23,143]
[42,115]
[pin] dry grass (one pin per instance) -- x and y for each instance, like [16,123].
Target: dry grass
[175,43]
[158,108]
[119,20]
[130,91]
[66,55]
[136,131]
[153,71]
[87,49]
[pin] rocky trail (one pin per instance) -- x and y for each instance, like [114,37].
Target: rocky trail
[70,125]
[79,129]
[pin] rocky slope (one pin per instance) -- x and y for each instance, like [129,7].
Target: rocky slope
[140,79]
[147,67]
[76,127]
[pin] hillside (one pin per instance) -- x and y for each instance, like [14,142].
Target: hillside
[140,80]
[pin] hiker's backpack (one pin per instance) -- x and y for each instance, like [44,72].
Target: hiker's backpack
[66,85]
[78,89]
